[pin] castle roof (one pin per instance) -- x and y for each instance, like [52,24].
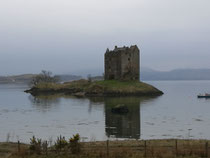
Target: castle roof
[118,49]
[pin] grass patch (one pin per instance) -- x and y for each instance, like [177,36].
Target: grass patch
[125,149]
[97,88]
[126,86]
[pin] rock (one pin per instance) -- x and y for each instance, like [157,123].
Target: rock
[120,109]
[79,94]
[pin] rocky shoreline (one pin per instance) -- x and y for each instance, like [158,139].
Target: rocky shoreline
[83,88]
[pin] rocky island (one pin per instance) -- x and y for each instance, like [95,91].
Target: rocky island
[83,88]
[121,78]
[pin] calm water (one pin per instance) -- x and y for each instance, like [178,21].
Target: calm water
[176,114]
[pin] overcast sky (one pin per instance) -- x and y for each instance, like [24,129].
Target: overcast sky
[71,36]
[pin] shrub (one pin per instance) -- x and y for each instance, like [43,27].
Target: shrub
[44,77]
[35,145]
[89,78]
[74,144]
[60,143]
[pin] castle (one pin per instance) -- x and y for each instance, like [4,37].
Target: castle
[122,63]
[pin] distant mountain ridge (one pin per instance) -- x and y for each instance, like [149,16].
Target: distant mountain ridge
[177,74]
[146,74]
[26,78]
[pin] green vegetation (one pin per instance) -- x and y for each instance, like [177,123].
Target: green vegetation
[96,88]
[126,86]
[72,145]
[35,145]
[113,149]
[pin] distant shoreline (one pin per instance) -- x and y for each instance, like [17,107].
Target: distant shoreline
[147,74]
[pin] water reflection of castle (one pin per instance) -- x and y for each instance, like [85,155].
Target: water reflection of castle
[116,125]
[123,125]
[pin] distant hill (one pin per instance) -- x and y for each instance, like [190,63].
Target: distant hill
[147,74]
[26,78]
[177,74]
[66,78]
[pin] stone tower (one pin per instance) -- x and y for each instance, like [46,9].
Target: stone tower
[122,63]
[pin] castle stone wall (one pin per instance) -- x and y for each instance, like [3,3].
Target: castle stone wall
[122,63]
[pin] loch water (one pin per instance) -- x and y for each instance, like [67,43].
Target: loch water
[176,114]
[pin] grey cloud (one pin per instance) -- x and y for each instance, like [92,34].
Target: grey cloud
[71,36]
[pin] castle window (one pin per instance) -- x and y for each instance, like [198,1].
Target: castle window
[129,59]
